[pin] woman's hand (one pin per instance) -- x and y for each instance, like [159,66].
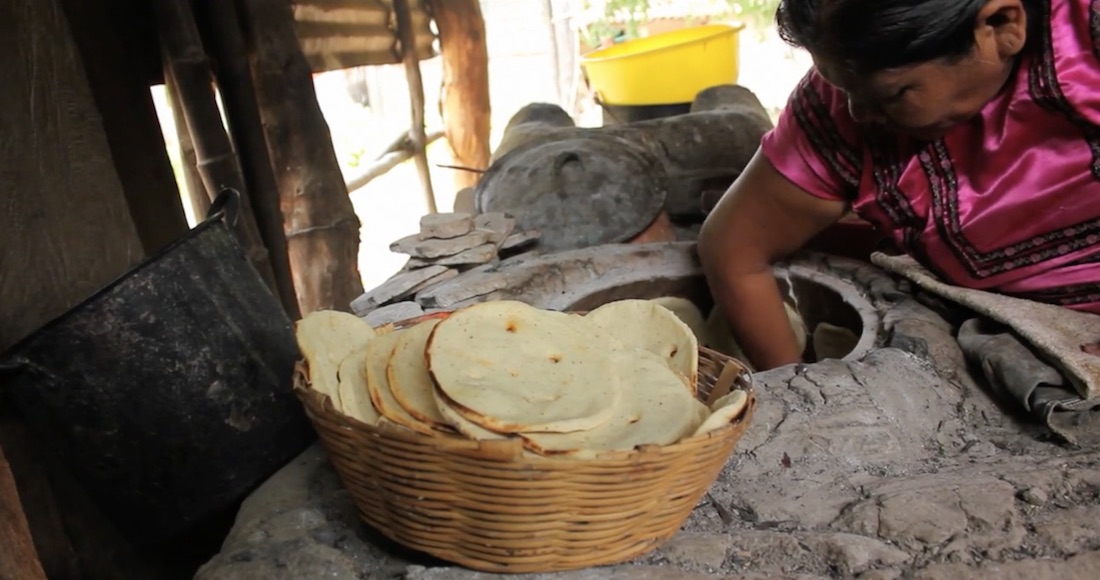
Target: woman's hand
[762,218]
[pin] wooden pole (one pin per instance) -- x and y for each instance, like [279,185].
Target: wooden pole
[185,60]
[196,191]
[465,97]
[18,559]
[322,229]
[406,37]
[396,154]
[221,30]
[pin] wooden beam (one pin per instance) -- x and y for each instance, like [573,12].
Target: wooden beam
[186,62]
[189,165]
[18,559]
[406,37]
[321,227]
[465,95]
[221,28]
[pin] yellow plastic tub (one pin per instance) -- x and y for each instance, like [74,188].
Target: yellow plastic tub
[666,68]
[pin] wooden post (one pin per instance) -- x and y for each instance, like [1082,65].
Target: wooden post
[189,166]
[465,97]
[18,559]
[221,30]
[322,229]
[186,61]
[406,37]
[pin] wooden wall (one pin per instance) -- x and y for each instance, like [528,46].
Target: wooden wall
[67,229]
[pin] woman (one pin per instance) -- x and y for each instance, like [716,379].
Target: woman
[968,130]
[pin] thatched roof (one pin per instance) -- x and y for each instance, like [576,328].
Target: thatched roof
[337,34]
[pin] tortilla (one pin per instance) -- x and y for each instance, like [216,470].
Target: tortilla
[378,356]
[326,338]
[724,411]
[354,395]
[645,325]
[461,424]
[657,410]
[687,311]
[408,377]
[510,367]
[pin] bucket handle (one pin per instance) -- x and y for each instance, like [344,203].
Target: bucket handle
[226,207]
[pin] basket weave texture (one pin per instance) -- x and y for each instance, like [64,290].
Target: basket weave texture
[493,507]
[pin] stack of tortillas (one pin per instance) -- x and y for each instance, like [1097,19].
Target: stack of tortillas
[622,376]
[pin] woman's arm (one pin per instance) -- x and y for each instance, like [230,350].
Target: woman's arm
[762,218]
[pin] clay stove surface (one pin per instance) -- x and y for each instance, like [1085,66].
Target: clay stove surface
[892,464]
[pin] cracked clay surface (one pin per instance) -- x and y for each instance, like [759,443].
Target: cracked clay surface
[895,466]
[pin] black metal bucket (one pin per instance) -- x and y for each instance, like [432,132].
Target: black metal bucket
[167,393]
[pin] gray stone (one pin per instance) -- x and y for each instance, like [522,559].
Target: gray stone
[498,224]
[520,239]
[474,256]
[444,226]
[430,249]
[393,313]
[397,287]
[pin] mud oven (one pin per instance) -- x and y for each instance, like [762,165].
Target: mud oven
[893,462]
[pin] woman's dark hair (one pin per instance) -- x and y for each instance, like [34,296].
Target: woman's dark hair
[867,36]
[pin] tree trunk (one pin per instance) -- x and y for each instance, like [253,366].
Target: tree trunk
[465,97]
[322,229]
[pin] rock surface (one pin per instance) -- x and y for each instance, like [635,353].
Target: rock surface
[897,465]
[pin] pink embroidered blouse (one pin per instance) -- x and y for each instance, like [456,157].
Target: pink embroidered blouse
[1009,202]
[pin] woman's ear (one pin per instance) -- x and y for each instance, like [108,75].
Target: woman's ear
[1002,24]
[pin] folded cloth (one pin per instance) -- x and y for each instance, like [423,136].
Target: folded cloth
[1034,355]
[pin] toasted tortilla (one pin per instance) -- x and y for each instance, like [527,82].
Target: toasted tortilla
[326,338]
[657,410]
[354,395]
[687,311]
[724,411]
[459,423]
[407,373]
[379,351]
[646,325]
[510,367]
[832,341]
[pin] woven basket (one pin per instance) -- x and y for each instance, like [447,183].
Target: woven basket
[491,506]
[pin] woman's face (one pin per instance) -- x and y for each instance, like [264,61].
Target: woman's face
[925,100]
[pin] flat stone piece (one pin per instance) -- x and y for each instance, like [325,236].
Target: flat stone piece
[518,239]
[432,282]
[436,248]
[497,223]
[444,226]
[396,287]
[393,313]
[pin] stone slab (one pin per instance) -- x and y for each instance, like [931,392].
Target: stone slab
[395,288]
[498,224]
[430,249]
[482,254]
[444,226]
[391,313]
